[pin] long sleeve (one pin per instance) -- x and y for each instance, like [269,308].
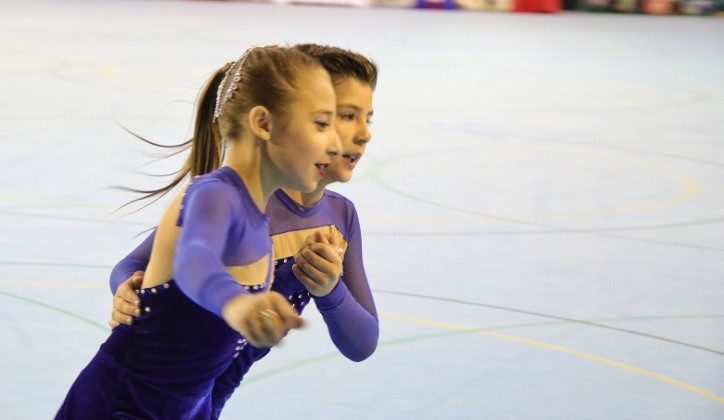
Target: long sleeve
[137,260]
[198,268]
[349,309]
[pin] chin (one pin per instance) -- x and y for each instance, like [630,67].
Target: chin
[344,177]
[305,186]
[310,187]
[341,176]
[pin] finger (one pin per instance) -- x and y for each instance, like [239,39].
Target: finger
[310,240]
[121,318]
[318,275]
[299,259]
[128,296]
[334,241]
[329,268]
[328,252]
[314,258]
[307,281]
[272,327]
[135,282]
[300,262]
[125,308]
[250,329]
[320,238]
[286,312]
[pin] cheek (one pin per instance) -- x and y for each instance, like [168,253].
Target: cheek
[345,131]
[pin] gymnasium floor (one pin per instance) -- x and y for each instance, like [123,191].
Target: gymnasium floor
[542,204]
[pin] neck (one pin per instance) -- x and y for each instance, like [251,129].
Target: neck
[244,157]
[308,199]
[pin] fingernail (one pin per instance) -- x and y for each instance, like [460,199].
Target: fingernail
[137,312]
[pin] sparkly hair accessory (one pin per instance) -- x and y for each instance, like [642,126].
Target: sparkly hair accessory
[229,84]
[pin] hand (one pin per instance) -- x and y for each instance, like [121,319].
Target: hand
[318,264]
[126,303]
[263,318]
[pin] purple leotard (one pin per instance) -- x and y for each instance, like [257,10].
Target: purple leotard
[349,310]
[165,365]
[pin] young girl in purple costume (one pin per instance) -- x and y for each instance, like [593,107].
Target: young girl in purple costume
[306,230]
[203,294]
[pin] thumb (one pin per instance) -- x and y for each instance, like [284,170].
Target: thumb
[334,242]
[287,312]
[294,322]
[319,237]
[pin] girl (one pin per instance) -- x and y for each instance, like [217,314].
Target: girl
[306,227]
[272,111]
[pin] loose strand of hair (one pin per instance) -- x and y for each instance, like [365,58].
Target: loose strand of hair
[206,147]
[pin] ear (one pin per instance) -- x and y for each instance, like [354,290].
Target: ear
[260,122]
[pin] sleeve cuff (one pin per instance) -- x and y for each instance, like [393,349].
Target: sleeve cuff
[333,298]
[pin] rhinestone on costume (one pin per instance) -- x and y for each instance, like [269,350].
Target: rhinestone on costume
[153,290]
[147,309]
[166,285]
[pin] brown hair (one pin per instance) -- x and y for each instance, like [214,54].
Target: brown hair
[341,63]
[268,77]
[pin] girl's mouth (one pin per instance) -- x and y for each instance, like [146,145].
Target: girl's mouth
[322,168]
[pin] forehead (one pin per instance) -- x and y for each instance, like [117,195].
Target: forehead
[315,91]
[351,91]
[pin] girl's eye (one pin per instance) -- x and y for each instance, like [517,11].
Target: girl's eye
[348,117]
[321,125]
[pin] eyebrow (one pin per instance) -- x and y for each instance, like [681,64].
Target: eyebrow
[323,111]
[355,107]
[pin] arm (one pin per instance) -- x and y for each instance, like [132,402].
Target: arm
[137,260]
[348,308]
[198,270]
[263,318]
[126,277]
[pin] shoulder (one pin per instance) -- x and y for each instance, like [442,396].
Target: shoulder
[342,207]
[210,189]
[338,200]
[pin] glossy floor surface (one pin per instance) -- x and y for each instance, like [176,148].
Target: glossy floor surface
[542,204]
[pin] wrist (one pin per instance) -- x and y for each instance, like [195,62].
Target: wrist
[332,299]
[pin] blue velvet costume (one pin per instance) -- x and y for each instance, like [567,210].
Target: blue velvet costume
[165,365]
[349,310]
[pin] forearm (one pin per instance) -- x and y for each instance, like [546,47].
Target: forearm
[137,260]
[203,278]
[352,329]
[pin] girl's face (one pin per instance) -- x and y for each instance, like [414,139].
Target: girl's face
[300,149]
[354,112]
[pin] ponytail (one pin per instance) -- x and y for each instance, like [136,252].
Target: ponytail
[207,147]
